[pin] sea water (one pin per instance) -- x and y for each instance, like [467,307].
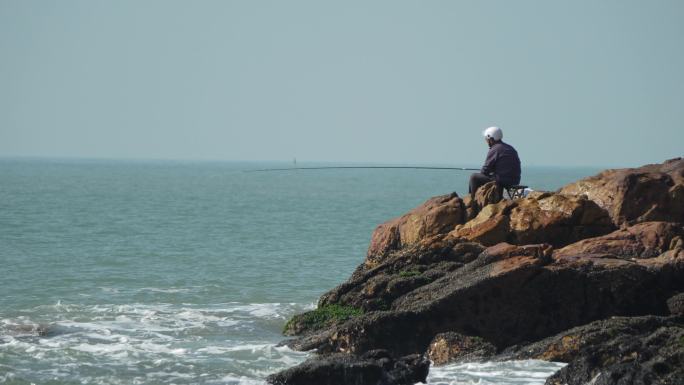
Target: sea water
[178,272]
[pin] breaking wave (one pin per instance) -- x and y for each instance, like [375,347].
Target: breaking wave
[528,372]
[230,343]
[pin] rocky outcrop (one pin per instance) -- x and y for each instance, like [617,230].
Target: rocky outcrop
[376,367]
[654,192]
[512,294]
[619,350]
[436,216]
[464,281]
[489,227]
[400,273]
[541,218]
[644,240]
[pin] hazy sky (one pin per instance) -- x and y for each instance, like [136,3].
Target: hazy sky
[570,82]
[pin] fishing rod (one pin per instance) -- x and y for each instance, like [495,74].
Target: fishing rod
[365,167]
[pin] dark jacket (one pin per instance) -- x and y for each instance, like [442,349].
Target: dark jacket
[503,163]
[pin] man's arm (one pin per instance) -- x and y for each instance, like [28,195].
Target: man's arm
[490,163]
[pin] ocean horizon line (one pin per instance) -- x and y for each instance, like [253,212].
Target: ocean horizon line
[299,163]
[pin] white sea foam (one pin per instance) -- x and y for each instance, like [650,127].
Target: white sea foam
[265,310]
[235,341]
[234,380]
[172,290]
[528,372]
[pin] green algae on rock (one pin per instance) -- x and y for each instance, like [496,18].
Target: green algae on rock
[319,318]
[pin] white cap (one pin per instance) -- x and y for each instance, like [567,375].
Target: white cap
[493,133]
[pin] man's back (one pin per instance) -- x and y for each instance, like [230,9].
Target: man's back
[503,163]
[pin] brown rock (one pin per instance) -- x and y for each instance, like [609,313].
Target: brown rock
[557,219]
[452,347]
[438,215]
[543,218]
[653,192]
[505,251]
[644,240]
[489,227]
[400,272]
[471,208]
[488,233]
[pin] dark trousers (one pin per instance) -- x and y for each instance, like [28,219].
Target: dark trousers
[476,180]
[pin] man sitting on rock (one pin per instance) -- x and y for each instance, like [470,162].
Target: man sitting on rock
[502,164]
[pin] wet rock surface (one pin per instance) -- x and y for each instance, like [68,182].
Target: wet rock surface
[469,278]
[453,347]
[676,304]
[619,350]
[510,295]
[29,330]
[376,367]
